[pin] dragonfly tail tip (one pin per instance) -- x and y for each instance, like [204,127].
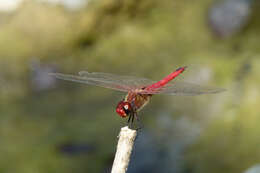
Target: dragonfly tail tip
[181,68]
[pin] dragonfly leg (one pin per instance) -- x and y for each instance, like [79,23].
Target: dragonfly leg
[131,123]
[132,117]
[130,120]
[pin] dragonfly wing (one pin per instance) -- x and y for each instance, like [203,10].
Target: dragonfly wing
[131,82]
[184,88]
[106,80]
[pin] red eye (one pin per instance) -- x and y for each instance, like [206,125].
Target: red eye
[123,109]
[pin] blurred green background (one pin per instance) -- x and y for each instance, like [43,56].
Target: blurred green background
[48,125]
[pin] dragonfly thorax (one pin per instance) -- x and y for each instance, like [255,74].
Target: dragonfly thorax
[123,109]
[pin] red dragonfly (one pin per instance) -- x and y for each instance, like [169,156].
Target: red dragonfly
[139,90]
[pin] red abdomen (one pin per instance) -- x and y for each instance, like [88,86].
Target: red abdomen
[165,80]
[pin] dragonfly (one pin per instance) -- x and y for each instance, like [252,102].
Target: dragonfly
[139,90]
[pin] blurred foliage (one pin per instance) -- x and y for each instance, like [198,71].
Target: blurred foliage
[130,37]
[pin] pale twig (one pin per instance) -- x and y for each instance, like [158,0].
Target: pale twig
[124,148]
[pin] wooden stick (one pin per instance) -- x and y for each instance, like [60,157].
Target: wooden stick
[124,149]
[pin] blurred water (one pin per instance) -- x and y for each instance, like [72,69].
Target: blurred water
[227,17]
[166,154]
[40,78]
[75,149]
[253,169]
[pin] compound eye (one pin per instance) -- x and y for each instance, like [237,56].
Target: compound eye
[126,107]
[123,109]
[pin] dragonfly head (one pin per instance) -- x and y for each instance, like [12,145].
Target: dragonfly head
[123,109]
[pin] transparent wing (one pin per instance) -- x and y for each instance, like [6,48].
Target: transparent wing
[183,88]
[106,80]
